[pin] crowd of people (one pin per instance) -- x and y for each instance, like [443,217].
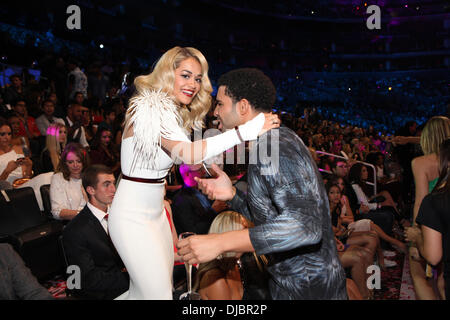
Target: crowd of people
[69,130]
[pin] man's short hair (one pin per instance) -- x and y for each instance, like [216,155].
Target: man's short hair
[16,101]
[47,101]
[89,177]
[11,77]
[251,84]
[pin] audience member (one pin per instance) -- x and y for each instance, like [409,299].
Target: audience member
[362,225]
[232,276]
[13,163]
[67,195]
[104,152]
[17,139]
[382,216]
[192,210]
[15,91]
[47,118]
[432,239]
[16,280]
[74,125]
[55,142]
[355,258]
[27,123]
[87,243]
[426,173]
[77,80]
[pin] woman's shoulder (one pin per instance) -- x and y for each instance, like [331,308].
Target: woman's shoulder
[212,276]
[214,282]
[17,149]
[424,161]
[153,98]
[58,176]
[427,165]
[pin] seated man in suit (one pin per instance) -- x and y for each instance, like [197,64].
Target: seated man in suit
[87,243]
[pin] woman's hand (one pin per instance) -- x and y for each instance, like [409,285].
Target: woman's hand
[257,126]
[27,162]
[271,122]
[11,166]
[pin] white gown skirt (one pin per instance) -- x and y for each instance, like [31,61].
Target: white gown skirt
[140,231]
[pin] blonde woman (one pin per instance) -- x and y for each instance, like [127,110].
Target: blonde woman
[169,102]
[55,142]
[426,173]
[227,278]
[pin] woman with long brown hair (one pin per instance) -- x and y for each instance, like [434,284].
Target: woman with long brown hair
[67,195]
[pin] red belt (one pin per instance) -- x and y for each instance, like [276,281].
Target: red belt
[143,180]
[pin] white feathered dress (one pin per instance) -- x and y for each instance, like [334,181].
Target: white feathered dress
[137,223]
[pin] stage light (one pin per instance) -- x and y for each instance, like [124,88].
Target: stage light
[390,88]
[312,12]
[101,46]
[349,89]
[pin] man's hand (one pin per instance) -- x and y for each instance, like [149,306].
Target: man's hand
[11,166]
[219,206]
[364,209]
[412,234]
[200,248]
[219,188]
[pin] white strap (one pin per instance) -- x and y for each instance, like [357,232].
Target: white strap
[5,195]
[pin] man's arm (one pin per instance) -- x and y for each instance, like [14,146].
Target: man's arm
[93,278]
[25,285]
[204,248]
[296,223]
[239,203]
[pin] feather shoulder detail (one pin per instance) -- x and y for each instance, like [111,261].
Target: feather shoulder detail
[153,114]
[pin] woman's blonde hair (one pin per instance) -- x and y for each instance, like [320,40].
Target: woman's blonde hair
[224,222]
[163,77]
[52,143]
[434,133]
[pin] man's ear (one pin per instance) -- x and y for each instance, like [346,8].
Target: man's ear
[243,107]
[90,190]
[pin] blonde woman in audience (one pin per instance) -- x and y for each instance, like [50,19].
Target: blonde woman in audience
[228,277]
[55,142]
[426,173]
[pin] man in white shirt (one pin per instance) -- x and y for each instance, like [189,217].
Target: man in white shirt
[73,122]
[87,243]
[47,118]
